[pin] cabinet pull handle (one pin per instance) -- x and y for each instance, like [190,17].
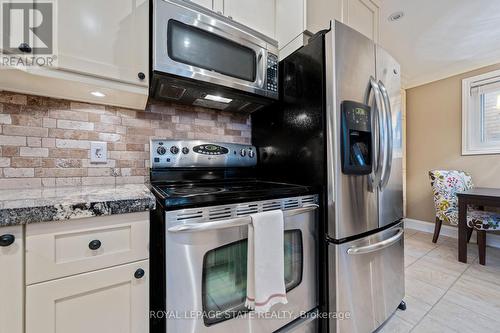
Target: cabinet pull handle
[139,274]
[141,75]
[95,244]
[7,240]
[25,48]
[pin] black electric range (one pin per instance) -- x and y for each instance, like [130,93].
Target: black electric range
[196,194]
[192,174]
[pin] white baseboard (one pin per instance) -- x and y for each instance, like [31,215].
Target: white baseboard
[492,240]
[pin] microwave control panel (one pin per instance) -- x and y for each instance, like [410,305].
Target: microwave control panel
[272,73]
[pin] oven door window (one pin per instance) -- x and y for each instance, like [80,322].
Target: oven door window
[225,276]
[196,47]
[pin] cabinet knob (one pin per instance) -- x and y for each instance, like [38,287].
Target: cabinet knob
[139,274]
[141,75]
[230,17]
[25,48]
[7,240]
[95,244]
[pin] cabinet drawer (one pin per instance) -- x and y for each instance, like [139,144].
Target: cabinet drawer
[111,300]
[59,249]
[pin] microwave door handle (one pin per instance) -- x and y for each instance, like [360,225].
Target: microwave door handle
[389,145]
[235,222]
[261,69]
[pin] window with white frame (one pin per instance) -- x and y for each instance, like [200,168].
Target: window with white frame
[481,114]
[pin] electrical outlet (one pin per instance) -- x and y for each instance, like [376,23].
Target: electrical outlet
[98,152]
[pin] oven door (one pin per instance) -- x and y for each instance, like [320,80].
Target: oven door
[197,45]
[206,276]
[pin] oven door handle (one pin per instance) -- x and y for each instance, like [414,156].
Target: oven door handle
[236,222]
[377,246]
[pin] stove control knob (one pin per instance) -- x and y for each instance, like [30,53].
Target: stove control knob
[243,153]
[161,150]
[185,150]
[174,150]
[251,153]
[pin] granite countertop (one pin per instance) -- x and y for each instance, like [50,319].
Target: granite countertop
[64,203]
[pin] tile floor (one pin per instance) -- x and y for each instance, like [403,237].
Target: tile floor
[444,295]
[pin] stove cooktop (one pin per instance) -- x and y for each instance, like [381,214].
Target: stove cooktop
[190,194]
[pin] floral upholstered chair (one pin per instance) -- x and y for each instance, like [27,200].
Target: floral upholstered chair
[445,185]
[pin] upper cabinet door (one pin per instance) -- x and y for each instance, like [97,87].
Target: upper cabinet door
[108,39]
[289,21]
[362,15]
[259,15]
[205,3]
[321,12]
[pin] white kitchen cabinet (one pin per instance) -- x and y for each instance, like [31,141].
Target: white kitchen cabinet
[111,300]
[11,280]
[296,20]
[100,46]
[55,250]
[259,15]
[88,275]
[106,39]
[205,3]
[218,6]
[362,15]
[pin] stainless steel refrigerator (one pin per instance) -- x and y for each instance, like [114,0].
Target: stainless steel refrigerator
[338,127]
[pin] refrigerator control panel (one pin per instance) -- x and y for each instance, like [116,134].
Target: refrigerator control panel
[356,143]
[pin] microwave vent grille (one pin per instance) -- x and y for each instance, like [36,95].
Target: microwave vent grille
[172,92]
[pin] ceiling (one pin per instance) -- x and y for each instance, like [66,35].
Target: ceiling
[439,38]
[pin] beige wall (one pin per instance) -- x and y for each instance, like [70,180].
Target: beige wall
[434,131]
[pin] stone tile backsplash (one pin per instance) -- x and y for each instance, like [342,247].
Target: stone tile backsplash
[46,141]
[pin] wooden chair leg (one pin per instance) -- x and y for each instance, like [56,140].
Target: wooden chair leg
[469,234]
[437,230]
[481,243]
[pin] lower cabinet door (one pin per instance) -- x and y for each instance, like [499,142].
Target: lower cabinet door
[11,279]
[112,300]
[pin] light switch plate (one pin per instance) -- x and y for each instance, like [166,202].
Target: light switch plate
[98,152]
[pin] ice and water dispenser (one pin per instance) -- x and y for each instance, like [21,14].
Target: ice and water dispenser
[356,131]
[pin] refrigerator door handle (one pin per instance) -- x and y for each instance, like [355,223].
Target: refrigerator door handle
[389,143]
[379,134]
[377,246]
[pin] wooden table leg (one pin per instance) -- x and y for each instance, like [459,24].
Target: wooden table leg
[462,231]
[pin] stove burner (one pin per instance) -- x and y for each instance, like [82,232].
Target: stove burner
[187,191]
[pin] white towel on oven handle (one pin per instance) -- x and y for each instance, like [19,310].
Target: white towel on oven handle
[266,261]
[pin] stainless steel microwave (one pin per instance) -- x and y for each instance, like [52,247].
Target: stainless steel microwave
[205,59]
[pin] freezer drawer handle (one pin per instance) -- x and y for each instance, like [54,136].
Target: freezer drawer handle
[236,222]
[377,246]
